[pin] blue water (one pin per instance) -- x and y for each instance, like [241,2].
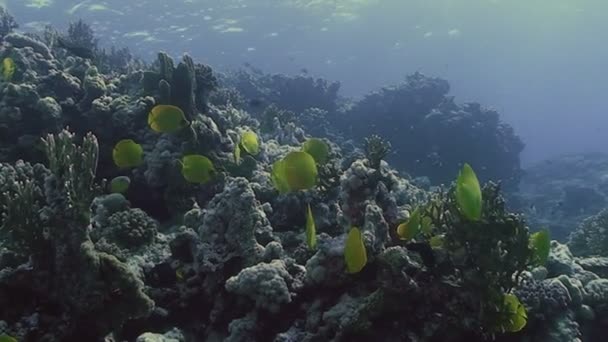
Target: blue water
[541,63]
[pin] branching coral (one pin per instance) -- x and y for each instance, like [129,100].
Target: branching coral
[79,280]
[117,59]
[21,199]
[484,258]
[376,149]
[82,34]
[274,118]
[73,170]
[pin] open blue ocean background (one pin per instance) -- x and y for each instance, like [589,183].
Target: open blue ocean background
[541,63]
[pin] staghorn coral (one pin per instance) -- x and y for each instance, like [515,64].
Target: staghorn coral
[376,149]
[88,279]
[21,199]
[73,170]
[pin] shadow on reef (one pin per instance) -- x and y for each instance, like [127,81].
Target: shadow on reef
[204,232]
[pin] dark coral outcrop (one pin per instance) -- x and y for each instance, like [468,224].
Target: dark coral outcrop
[432,135]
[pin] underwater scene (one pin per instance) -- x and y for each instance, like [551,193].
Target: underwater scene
[303,170]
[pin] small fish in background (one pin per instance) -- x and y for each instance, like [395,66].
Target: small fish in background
[75,48]
[304,71]
[557,208]
[435,159]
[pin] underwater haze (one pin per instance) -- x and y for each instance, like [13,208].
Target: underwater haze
[541,63]
[303,170]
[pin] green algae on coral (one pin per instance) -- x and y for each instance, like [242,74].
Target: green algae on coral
[468,193]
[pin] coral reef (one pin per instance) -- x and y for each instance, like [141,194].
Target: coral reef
[561,192]
[565,301]
[228,257]
[591,236]
[7,22]
[296,94]
[80,33]
[65,271]
[433,135]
